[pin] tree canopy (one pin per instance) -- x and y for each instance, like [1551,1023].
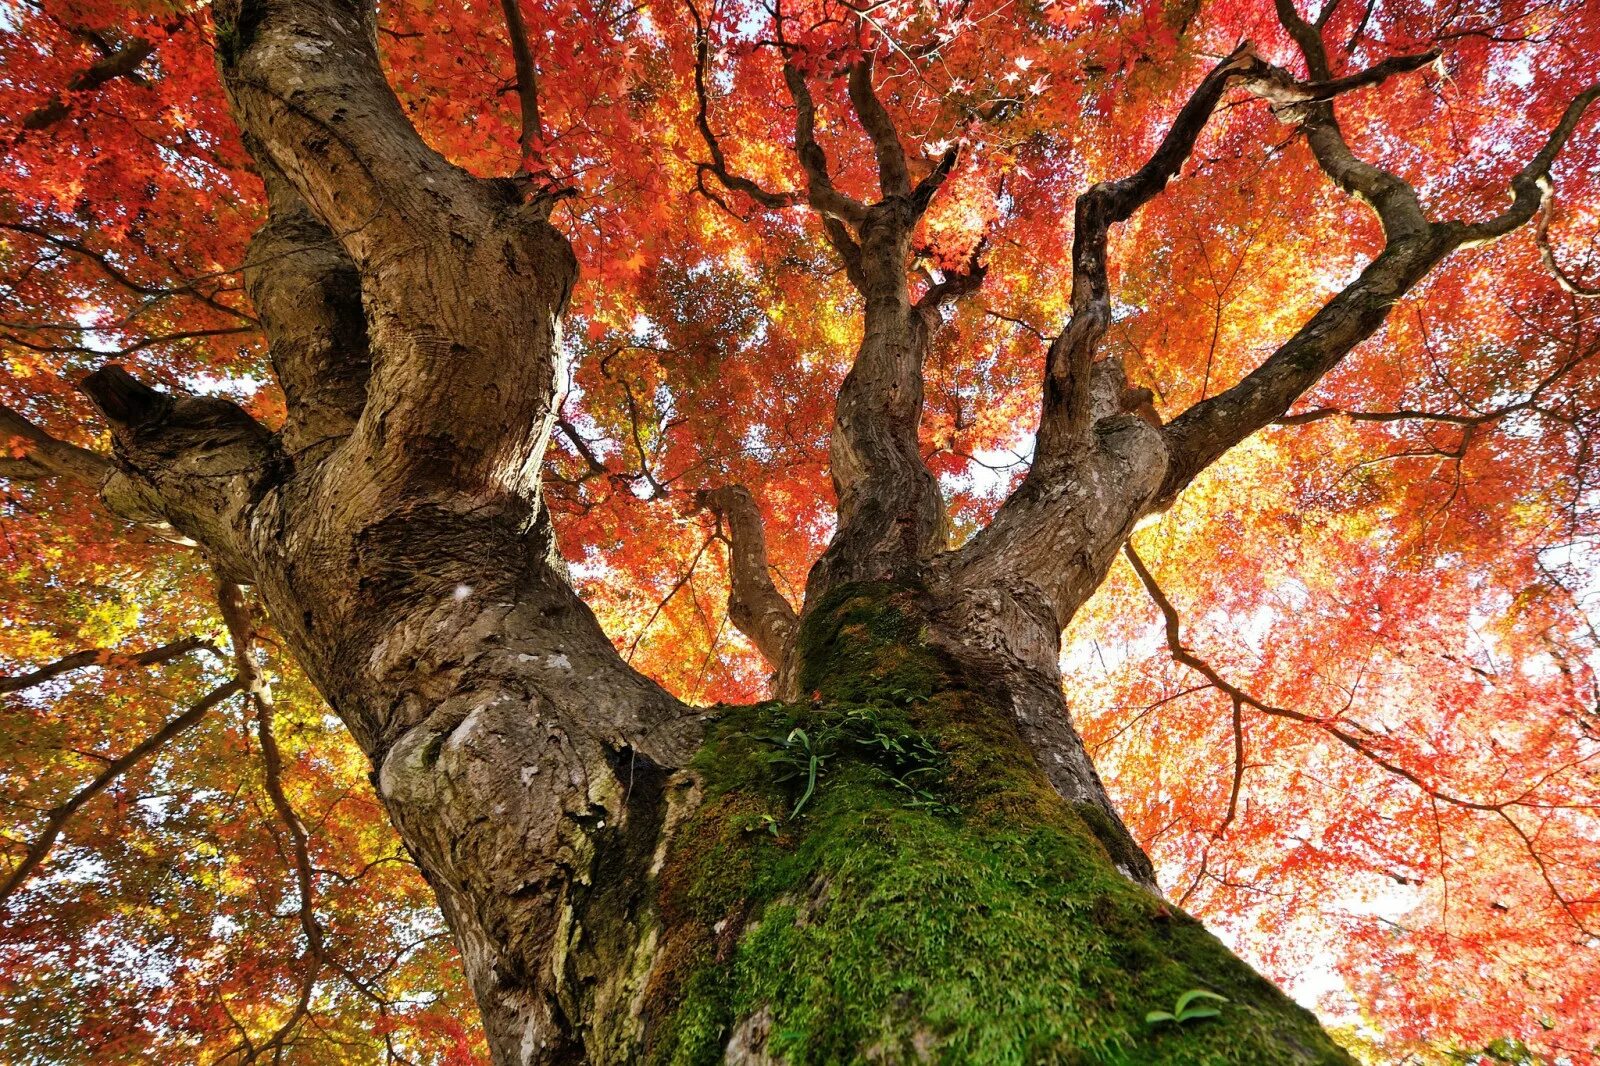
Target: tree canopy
[1344,688]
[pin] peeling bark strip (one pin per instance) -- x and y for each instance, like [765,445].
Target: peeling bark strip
[626,880]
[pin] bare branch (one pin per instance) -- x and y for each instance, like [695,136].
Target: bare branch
[1533,401]
[155,294]
[1284,92]
[593,465]
[128,349]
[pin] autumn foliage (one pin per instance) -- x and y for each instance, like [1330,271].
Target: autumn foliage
[1348,698]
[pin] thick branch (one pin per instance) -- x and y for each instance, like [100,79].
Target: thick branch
[1101,462]
[1394,200]
[1064,419]
[1414,246]
[893,176]
[28,452]
[754,603]
[461,397]
[1532,182]
[820,192]
[307,87]
[1201,434]
[200,462]
[532,133]
[308,293]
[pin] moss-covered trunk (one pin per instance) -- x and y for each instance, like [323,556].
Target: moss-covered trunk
[881,873]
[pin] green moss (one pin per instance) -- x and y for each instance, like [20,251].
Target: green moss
[874,930]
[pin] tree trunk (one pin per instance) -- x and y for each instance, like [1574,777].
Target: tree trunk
[927,896]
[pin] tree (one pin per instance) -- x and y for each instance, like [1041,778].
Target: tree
[835,261]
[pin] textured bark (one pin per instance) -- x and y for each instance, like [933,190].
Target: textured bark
[754,603]
[583,831]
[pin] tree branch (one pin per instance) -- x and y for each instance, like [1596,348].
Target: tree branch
[308,292]
[28,452]
[62,813]
[1064,419]
[107,657]
[154,294]
[755,605]
[893,176]
[1541,237]
[121,63]
[198,462]
[718,167]
[1096,470]
[1413,247]
[425,236]
[1394,200]
[813,160]
[236,617]
[955,284]
[1532,182]
[532,133]
[1334,729]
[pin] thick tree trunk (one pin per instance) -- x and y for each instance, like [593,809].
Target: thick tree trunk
[928,895]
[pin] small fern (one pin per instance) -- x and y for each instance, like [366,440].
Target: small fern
[1184,1010]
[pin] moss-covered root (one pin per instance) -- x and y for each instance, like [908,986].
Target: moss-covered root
[971,918]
